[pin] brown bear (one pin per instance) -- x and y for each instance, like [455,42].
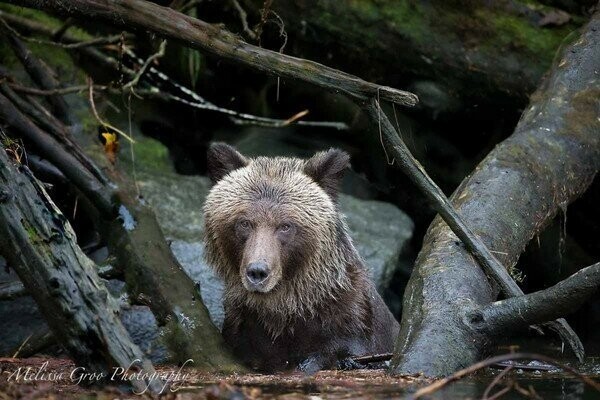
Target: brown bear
[297,293]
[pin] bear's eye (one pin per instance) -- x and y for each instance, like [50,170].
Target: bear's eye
[285,227]
[245,224]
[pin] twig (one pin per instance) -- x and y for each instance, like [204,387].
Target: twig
[155,56]
[244,19]
[60,91]
[264,12]
[78,45]
[373,358]
[434,387]
[236,117]
[495,381]
[100,120]
[15,355]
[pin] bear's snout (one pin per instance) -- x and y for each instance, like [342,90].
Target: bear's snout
[257,273]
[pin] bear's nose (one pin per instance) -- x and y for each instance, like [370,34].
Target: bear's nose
[257,272]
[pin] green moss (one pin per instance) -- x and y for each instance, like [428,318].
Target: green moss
[32,233]
[516,32]
[373,19]
[42,17]
[150,155]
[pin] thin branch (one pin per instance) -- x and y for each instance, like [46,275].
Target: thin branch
[152,58]
[237,118]
[545,305]
[373,358]
[495,382]
[213,39]
[99,41]
[97,116]
[60,91]
[244,19]
[434,387]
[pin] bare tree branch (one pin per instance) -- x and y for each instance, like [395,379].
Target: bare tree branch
[40,73]
[212,39]
[545,305]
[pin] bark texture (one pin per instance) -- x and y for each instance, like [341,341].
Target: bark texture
[549,161]
[39,243]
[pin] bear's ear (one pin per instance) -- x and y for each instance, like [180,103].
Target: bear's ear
[327,168]
[222,159]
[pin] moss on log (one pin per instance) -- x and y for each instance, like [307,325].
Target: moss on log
[549,161]
[473,48]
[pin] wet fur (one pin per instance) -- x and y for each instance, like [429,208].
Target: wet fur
[324,307]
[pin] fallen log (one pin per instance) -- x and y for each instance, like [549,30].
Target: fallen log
[154,276]
[39,243]
[515,191]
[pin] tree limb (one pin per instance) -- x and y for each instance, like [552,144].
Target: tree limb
[212,39]
[545,305]
[54,152]
[40,73]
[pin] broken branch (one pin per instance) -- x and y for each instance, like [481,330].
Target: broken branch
[545,305]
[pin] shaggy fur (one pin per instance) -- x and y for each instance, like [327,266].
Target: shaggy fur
[319,305]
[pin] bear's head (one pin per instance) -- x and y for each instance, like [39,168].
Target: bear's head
[272,229]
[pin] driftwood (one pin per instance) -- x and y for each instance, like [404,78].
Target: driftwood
[549,161]
[154,276]
[39,243]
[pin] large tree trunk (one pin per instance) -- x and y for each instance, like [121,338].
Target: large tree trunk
[549,161]
[39,243]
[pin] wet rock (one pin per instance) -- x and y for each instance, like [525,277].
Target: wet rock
[19,318]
